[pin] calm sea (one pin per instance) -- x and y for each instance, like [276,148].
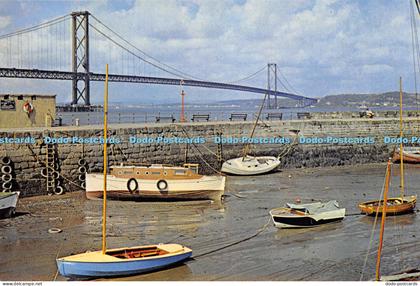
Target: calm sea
[150,113]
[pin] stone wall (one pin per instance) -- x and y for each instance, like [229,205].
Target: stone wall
[42,114]
[28,158]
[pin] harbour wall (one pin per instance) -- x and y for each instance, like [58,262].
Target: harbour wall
[28,158]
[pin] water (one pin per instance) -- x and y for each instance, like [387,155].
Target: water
[148,113]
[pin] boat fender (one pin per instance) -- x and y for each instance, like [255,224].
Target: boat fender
[132,185]
[59,190]
[55,174]
[7,185]
[162,185]
[83,185]
[82,169]
[44,172]
[82,162]
[6,161]
[82,177]
[6,177]
[6,169]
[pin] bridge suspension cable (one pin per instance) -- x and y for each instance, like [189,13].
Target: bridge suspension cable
[37,27]
[46,50]
[176,72]
[249,76]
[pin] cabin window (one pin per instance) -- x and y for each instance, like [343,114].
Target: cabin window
[20,97]
[147,172]
[165,173]
[138,173]
[119,173]
[6,96]
[180,172]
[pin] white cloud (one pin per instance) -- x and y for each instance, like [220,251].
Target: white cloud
[322,46]
[5,21]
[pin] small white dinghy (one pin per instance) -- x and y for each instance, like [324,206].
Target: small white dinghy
[307,215]
[250,165]
[8,202]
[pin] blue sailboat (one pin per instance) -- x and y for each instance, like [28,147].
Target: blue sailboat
[120,261]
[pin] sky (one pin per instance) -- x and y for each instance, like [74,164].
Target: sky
[321,47]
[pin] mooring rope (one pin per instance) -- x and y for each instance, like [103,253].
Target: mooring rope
[201,155]
[372,233]
[258,232]
[189,137]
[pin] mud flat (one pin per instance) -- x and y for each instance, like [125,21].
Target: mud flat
[329,252]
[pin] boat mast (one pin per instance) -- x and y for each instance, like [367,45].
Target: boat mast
[381,234]
[246,148]
[105,160]
[401,145]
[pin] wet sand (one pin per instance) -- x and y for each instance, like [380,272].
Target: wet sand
[330,252]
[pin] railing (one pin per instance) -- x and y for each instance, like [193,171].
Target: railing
[95,118]
[115,117]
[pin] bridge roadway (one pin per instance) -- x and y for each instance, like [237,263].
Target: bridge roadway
[63,75]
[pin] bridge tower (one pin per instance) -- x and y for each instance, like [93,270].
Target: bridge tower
[80,57]
[271,76]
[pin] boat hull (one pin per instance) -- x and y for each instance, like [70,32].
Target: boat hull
[250,166]
[289,219]
[410,155]
[95,264]
[204,188]
[8,202]
[395,206]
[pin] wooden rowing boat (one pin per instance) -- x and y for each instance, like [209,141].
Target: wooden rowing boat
[395,206]
[410,155]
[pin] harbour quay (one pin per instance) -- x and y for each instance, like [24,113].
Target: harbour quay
[28,156]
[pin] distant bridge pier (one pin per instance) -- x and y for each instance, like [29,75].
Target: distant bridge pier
[271,75]
[80,57]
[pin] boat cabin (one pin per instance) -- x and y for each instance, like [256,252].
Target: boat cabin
[156,171]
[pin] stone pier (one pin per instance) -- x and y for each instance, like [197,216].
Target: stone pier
[29,157]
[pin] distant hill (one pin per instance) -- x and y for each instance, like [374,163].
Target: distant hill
[351,101]
[383,100]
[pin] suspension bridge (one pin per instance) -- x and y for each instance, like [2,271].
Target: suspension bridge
[60,49]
